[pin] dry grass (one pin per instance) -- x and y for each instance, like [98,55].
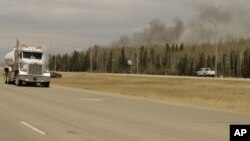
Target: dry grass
[1,72]
[224,94]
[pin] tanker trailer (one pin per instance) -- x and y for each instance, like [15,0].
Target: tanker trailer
[26,65]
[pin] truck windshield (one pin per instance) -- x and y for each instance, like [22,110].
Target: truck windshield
[32,55]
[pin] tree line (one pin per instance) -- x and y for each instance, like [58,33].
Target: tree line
[233,59]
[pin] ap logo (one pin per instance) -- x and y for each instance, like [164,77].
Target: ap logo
[239,132]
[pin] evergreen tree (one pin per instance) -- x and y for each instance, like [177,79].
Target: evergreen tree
[173,47]
[209,62]
[142,59]
[201,61]
[51,62]
[191,68]
[176,48]
[166,60]
[58,62]
[104,61]
[233,63]
[183,65]
[87,60]
[181,47]
[152,56]
[224,70]
[74,61]
[158,63]
[110,62]
[122,61]
[246,64]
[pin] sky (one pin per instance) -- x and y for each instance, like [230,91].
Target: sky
[66,25]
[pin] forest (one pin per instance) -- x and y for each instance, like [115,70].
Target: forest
[232,57]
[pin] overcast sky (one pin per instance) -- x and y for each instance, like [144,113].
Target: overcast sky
[79,24]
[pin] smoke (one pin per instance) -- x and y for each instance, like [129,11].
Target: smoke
[213,20]
[213,13]
[156,33]
[228,18]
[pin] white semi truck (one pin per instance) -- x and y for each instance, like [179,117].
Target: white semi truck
[26,65]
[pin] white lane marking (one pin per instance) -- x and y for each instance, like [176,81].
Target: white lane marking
[86,99]
[33,128]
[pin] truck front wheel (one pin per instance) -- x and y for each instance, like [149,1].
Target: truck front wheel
[18,82]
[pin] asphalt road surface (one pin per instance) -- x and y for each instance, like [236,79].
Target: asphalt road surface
[66,114]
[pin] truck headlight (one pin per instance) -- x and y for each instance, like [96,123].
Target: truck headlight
[46,70]
[24,67]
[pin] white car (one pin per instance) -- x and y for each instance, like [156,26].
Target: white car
[205,72]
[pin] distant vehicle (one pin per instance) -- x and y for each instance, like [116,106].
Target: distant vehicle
[205,72]
[55,75]
[26,65]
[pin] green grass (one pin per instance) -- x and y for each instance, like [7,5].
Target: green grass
[223,94]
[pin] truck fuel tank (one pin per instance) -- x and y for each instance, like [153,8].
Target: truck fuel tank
[9,58]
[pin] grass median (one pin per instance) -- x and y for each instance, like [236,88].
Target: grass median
[224,94]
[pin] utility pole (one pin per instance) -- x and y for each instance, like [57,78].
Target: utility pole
[51,41]
[68,62]
[91,57]
[216,49]
[137,68]
[51,48]
[66,49]
[131,61]
[55,64]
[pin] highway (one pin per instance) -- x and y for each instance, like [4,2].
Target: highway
[67,114]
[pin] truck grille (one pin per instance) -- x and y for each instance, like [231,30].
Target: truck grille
[35,69]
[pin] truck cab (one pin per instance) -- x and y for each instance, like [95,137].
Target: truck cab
[26,65]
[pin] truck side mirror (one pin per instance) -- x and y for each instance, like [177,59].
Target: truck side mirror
[16,54]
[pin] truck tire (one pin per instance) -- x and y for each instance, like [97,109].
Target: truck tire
[18,82]
[46,84]
[5,79]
